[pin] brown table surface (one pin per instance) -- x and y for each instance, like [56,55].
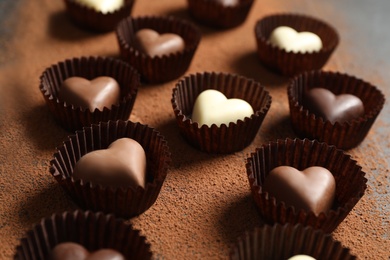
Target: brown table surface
[205,203]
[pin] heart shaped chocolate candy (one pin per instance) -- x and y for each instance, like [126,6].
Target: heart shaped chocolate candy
[228,2]
[289,39]
[312,189]
[301,257]
[340,108]
[74,251]
[212,107]
[154,44]
[123,163]
[104,6]
[98,93]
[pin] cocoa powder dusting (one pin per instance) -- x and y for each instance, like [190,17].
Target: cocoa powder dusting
[205,202]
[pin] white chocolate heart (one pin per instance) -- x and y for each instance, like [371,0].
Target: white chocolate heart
[212,107]
[104,6]
[228,2]
[301,257]
[289,39]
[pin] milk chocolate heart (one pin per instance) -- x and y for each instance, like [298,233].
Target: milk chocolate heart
[212,107]
[98,93]
[74,251]
[123,163]
[154,44]
[312,189]
[290,40]
[340,108]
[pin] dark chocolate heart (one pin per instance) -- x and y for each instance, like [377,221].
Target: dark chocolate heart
[98,93]
[340,108]
[154,44]
[123,163]
[74,251]
[312,189]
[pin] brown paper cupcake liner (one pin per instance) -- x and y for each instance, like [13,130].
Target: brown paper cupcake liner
[94,231]
[122,201]
[345,135]
[215,14]
[284,241]
[301,154]
[157,69]
[90,19]
[74,118]
[226,138]
[291,63]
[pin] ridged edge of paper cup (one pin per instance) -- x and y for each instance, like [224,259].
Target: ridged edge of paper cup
[285,241]
[90,19]
[226,138]
[124,202]
[215,14]
[343,135]
[292,63]
[94,231]
[160,68]
[74,118]
[301,154]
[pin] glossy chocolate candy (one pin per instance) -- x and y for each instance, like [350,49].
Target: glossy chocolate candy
[74,251]
[335,108]
[154,44]
[90,94]
[228,2]
[123,163]
[104,6]
[312,189]
[212,107]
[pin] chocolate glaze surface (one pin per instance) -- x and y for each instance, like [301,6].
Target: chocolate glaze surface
[335,108]
[154,44]
[68,251]
[312,189]
[98,93]
[123,163]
